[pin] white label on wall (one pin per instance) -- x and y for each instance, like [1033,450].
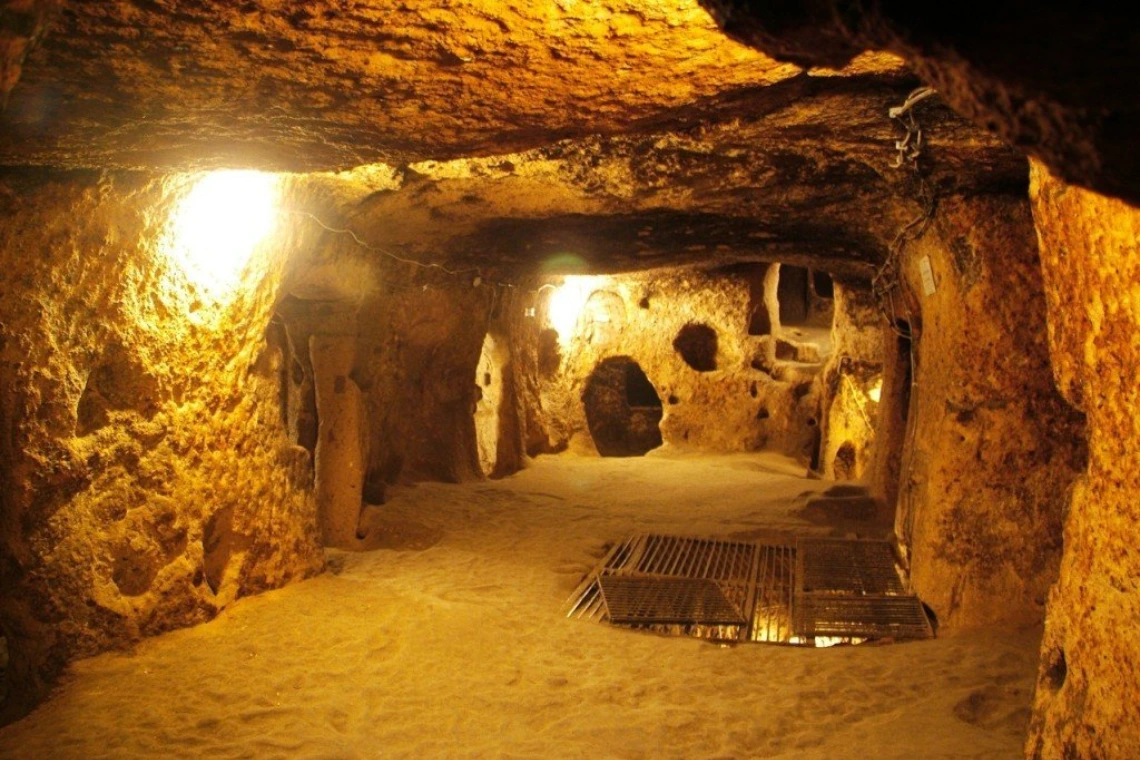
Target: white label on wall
[927,276]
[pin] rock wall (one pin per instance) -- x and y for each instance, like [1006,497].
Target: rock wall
[1073,107]
[391,364]
[992,448]
[147,479]
[718,387]
[1090,664]
[418,358]
[851,379]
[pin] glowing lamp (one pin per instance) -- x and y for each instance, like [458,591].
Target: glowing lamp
[217,225]
[566,304]
[876,391]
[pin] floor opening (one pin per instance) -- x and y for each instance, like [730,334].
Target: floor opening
[804,591]
[623,410]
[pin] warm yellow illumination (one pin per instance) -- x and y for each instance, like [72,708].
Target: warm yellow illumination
[876,391]
[567,302]
[217,225]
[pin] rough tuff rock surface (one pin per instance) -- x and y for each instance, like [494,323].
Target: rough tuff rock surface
[715,387]
[810,179]
[147,478]
[1090,659]
[851,414]
[1057,81]
[334,84]
[993,447]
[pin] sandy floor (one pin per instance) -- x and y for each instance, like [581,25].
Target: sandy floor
[458,650]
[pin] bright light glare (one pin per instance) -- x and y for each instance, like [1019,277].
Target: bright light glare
[217,225]
[566,304]
[876,391]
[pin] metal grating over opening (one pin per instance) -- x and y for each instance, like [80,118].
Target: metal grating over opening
[848,567]
[675,601]
[899,617]
[793,594]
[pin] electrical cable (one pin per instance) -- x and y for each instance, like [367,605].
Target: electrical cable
[478,280]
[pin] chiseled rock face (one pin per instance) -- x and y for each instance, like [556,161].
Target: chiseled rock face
[332,84]
[994,446]
[1057,82]
[1091,653]
[810,178]
[147,478]
[708,384]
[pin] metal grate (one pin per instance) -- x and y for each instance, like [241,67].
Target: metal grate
[900,617]
[635,600]
[848,567]
[752,592]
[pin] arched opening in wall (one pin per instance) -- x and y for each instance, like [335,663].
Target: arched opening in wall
[623,410]
[759,318]
[603,317]
[805,297]
[822,285]
[489,402]
[697,345]
[803,301]
[793,295]
[844,463]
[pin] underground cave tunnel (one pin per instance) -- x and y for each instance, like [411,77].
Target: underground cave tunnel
[340,340]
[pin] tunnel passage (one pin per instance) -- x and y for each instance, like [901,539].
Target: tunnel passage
[623,410]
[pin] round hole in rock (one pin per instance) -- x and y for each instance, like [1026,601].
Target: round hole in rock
[697,344]
[623,410]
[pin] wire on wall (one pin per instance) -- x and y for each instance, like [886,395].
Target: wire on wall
[475,273]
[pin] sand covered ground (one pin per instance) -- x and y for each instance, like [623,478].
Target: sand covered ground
[450,644]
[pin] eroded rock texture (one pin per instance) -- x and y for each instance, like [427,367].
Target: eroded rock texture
[853,384]
[1091,657]
[147,477]
[671,357]
[1055,81]
[339,84]
[993,447]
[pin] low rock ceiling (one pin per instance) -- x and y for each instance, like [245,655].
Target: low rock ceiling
[631,133]
[1056,79]
[789,182]
[332,84]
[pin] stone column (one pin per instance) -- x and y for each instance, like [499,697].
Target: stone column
[339,460]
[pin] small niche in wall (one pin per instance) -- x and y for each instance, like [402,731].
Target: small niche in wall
[603,317]
[823,285]
[697,345]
